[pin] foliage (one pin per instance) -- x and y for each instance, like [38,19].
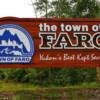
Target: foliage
[42,6]
[86,9]
[49,76]
[67,8]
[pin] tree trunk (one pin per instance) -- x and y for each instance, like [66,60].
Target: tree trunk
[46,8]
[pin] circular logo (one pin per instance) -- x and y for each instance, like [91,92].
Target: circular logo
[16,44]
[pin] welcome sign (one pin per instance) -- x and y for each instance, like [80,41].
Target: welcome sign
[26,42]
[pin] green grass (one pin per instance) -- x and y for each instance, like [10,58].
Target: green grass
[85,85]
[11,86]
[23,91]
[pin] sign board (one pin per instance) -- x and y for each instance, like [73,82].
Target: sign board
[39,43]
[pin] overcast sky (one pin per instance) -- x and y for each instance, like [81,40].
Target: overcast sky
[16,8]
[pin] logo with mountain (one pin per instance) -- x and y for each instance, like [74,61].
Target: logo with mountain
[16,44]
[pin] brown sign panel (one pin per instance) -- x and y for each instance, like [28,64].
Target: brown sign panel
[39,43]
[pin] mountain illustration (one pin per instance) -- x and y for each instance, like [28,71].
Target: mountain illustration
[11,45]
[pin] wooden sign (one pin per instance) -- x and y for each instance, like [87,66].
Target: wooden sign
[39,43]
